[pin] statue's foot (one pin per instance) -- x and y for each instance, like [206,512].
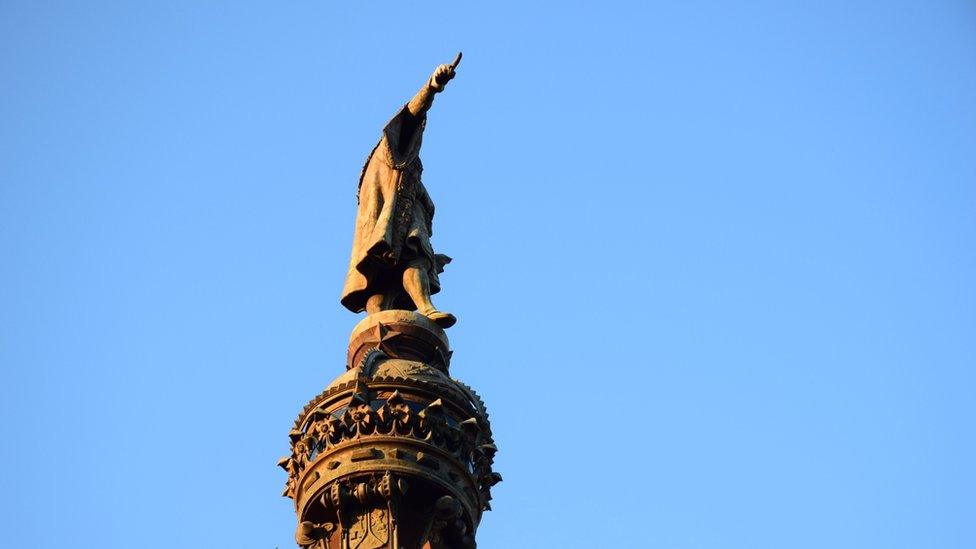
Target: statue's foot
[442,319]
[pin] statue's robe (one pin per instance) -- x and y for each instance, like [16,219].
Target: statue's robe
[394,220]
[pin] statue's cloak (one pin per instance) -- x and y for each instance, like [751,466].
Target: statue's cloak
[394,219]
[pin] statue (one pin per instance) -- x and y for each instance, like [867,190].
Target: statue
[393,265]
[395,453]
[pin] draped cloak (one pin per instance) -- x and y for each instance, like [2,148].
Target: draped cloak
[393,221]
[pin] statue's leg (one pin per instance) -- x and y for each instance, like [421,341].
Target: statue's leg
[386,285]
[375,303]
[417,286]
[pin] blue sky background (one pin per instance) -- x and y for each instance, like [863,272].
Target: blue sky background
[714,262]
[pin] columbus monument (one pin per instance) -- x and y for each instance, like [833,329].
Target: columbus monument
[394,453]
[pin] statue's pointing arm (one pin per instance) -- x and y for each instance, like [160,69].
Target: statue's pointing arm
[421,102]
[402,132]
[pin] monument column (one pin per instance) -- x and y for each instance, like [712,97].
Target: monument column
[394,453]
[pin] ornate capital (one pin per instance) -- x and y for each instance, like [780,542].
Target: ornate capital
[394,453]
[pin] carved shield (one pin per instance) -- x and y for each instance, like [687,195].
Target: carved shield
[370,531]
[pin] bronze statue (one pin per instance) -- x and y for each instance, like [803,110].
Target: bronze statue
[395,453]
[393,265]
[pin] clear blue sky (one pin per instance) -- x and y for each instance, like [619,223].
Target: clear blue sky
[714,262]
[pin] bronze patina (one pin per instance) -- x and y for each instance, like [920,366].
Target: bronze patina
[393,265]
[394,453]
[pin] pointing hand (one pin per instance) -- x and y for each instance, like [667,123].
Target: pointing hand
[443,74]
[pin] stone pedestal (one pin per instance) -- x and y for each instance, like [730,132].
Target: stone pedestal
[394,453]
